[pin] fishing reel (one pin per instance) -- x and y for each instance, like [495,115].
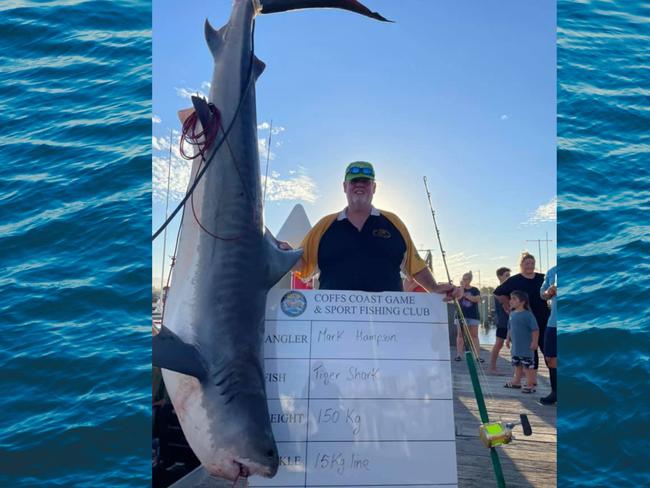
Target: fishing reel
[495,434]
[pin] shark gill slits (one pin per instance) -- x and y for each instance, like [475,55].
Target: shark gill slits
[229,387]
[227,377]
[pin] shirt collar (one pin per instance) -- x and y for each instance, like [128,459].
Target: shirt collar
[344,213]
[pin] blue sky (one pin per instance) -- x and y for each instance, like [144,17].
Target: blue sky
[460,91]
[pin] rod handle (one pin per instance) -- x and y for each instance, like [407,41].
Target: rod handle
[525,424]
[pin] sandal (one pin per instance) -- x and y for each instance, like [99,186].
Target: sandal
[481,360]
[528,389]
[457,358]
[510,384]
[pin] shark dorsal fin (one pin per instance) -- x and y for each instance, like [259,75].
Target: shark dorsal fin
[203,111]
[215,38]
[280,262]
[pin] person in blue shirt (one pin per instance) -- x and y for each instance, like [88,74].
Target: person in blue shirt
[523,333]
[548,291]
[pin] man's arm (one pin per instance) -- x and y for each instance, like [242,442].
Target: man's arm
[504,301]
[425,278]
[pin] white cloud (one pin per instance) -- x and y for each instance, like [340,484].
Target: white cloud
[180,169]
[190,92]
[300,187]
[266,126]
[458,263]
[263,149]
[504,117]
[544,213]
[297,186]
[155,119]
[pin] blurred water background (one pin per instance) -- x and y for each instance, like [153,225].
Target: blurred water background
[75,221]
[75,89]
[604,243]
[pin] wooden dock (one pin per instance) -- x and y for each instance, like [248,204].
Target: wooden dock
[527,461]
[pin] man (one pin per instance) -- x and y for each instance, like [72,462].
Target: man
[363,248]
[548,291]
[502,323]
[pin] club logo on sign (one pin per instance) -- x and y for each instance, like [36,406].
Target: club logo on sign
[293,303]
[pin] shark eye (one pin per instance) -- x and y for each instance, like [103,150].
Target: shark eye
[270,453]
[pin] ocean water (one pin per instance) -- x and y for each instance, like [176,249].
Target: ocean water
[604,243]
[75,221]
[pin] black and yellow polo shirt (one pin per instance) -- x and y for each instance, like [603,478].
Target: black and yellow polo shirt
[366,260]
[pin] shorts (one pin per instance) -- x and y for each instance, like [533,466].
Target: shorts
[502,332]
[550,342]
[469,321]
[527,363]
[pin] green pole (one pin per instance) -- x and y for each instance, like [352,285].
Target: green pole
[478,393]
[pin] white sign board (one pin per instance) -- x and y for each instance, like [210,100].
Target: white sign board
[359,387]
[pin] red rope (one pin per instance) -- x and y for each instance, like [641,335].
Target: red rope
[202,140]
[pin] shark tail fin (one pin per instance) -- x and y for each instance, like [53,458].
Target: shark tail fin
[273,6]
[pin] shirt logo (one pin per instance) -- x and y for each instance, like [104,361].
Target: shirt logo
[383,233]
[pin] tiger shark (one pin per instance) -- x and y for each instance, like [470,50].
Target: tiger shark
[210,344]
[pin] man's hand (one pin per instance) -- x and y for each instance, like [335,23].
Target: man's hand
[508,343]
[285,246]
[450,291]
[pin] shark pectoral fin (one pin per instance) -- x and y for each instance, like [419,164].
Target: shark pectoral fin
[272,6]
[170,352]
[202,111]
[280,262]
[258,67]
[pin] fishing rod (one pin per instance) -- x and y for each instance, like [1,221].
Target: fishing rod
[268,155]
[492,434]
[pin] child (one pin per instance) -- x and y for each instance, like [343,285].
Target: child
[524,334]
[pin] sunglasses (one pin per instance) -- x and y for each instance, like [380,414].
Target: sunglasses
[356,170]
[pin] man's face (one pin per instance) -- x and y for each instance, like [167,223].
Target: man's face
[359,191]
[504,276]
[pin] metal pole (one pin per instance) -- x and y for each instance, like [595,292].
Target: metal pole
[169,172]
[548,263]
[268,155]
